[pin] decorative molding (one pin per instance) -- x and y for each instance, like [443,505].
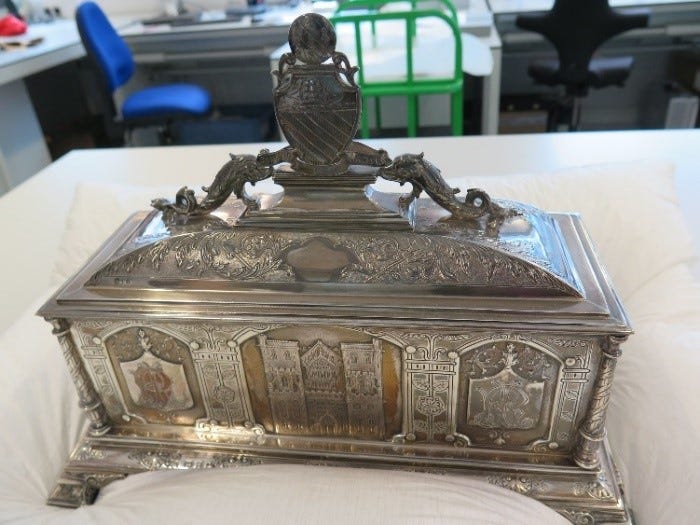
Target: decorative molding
[522,484]
[90,400]
[577,517]
[592,430]
[380,258]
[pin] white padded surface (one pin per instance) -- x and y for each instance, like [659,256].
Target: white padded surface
[654,420]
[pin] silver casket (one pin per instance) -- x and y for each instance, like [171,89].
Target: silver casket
[335,324]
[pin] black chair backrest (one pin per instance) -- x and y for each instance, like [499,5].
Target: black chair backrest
[577,28]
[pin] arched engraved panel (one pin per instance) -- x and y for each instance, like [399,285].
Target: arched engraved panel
[156,375]
[324,381]
[364,388]
[507,393]
[324,388]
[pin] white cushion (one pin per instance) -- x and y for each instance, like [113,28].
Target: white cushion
[632,214]
[98,209]
[653,421]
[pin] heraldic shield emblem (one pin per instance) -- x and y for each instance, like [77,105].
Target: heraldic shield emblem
[317,101]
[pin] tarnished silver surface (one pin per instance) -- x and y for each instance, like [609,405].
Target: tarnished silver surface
[335,324]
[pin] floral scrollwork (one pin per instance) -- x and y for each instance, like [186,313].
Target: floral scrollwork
[519,483]
[577,517]
[598,489]
[156,460]
[86,452]
[341,62]
[286,60]
[238,460]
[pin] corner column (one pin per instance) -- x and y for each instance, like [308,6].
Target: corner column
[592,430]
[90,400]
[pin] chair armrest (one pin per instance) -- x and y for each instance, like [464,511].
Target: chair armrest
[633,18]
[531,22]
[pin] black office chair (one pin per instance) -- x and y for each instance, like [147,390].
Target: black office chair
[576,29]
[152,106]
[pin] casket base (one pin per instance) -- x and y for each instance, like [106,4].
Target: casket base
[582,496]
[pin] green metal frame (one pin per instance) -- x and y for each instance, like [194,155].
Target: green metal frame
[375,6]
[411,87]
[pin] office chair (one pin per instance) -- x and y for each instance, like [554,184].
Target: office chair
[152,106]
[576,29]
[357,12]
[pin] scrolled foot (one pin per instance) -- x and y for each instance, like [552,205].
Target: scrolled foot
[250,202]
[72,493]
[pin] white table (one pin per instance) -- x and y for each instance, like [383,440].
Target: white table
[23,151]
[34,213]
[479,12]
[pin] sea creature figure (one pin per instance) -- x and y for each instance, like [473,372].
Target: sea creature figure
[231,178]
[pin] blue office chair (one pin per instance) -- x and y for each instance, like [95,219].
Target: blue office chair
[152,106]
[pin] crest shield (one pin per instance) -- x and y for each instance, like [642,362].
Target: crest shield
[317,112]
[505,401]
[156,383]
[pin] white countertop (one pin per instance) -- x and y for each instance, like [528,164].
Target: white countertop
[61,43]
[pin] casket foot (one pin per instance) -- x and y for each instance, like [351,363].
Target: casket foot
[74,489]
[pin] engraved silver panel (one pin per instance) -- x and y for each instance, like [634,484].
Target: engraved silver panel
[321,390]
[430,374]
[285,385]
[363,388]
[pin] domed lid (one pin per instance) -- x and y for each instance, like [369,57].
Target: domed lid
[522,255]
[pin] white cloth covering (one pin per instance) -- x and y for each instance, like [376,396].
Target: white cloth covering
[632,214]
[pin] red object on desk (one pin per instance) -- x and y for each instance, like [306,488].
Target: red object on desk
[12,26]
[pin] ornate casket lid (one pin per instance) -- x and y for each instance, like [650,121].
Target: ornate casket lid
[333,246]
[523,256]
